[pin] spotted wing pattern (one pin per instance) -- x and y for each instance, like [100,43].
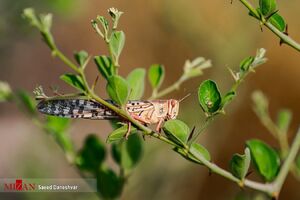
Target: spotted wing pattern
[76,108]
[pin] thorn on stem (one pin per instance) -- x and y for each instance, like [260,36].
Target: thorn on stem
[248,174]
[209,172]
[95,82]
[261,28]
[286,30]
[191,134]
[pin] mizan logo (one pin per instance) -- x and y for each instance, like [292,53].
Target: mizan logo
[19,185]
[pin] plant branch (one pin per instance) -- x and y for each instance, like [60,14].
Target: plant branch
[283,36]
[175,86]
[287,164]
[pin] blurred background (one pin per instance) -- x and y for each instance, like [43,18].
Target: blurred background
[166,32]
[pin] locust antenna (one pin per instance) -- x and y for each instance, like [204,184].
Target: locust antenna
[186,96]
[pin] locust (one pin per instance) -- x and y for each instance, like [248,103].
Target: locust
[147,112]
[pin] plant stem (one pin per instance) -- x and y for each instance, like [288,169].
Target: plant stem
[207,122]
[287,164]
[171,88]
[283,36]
[63,58]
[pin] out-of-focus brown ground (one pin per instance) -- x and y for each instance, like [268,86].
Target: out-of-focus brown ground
[167,32]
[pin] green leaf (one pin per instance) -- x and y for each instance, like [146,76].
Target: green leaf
[265,159]
[105,66]
[5,92]
[267,7]
[239,164]
[104,23]
[252,14]
[196,149]
[284,119]
[246,63]
[119,134]
[81,57]
[228,97]
[127,153]
[195,67]
[118,89]
[109,184]
[297,162]
[209,96]
[136,80]
[177,131]
[73,80]
[30,16]
[156,75]
[116,45]
[26,102]
[261,103]
[92,154]
[278,21]
[58,127]
[57,124]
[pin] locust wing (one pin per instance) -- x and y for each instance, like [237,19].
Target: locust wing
[76,108]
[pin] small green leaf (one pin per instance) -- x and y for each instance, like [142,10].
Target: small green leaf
[105,66]
[136,80]
[254,14]
[284,119]
[73,80]
[92,154]
[297,162]
[103,21]
[57,127]
[116,45]
[57,124]
[246,63]
[29,14]
[5,91]
[239,164]
[127,153]
[266,160]
[81,57]
[119,134]
[261,103]
[118,89]
[197,150]
[109,184]
[228,97]
[26,102]
[278,21]
[267,7]
[195,67]
[177,131]
[46,21]
[209,96]
[156,75]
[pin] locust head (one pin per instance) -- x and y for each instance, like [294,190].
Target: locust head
[173,110]
[173,107]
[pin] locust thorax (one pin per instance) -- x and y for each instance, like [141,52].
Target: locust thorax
[173,108]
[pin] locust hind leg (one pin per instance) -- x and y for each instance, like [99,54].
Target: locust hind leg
[145,122]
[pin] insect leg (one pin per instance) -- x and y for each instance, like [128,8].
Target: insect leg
[128,130]
[138,118]
[158,127]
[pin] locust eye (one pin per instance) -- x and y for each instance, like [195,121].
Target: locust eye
[173,103]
